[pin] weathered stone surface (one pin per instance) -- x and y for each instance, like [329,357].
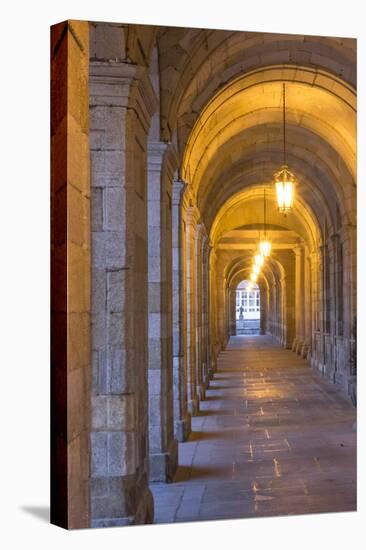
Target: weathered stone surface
[167,255]
[119,244]
[252,457]
[70,265]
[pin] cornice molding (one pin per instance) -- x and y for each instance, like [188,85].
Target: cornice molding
[120,84]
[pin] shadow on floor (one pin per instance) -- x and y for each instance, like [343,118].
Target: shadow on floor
[202,474]
[40,512]
[205,436]
[214,412]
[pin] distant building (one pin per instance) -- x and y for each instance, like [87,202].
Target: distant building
[247,301]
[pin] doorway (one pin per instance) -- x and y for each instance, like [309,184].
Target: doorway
[247,313]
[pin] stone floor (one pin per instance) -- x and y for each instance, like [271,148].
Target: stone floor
[272,438]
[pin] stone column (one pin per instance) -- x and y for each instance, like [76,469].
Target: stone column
[339,341]
[281,311]
[333,247]
[338,284]
[182,418]
[70,281]
[232,311]
[221,303]
[227,312]
[322,309]
[212,313]
[263,297]
[289,317]
[200,387]
[163,448]
[271,309]
[348,239]
[221,312]
[205,312]
[299,299]
[122,102]
[322,289]
[307,310]
[315,296]
[330,344]
[192,217]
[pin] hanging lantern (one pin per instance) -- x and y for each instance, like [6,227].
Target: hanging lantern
[285,184]
[253,277]
[265,248]
[259,260]
[284,180]
[264,244]
[256,269]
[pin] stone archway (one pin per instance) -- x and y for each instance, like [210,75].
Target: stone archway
[247,308]
[182,141]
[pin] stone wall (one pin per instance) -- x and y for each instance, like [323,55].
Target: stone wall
[70,264]
[122,102]
[163,446]
[182,142]
[182,417]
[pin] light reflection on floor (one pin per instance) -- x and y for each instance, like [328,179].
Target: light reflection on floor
[273,438]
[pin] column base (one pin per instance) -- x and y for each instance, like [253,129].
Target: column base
[212,366]
[317,365]
[206,380]
[162,466]
[330,373]
[201,392]
[298,347]
[305,350]
[118,501]
[352,389]
[193,406]
[183,428]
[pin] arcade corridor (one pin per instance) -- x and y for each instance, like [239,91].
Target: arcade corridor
[200,162]
[272,438]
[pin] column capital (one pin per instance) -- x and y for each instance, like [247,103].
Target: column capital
[212,254]
[298,249]
[171,160]
[314,257]
[178,188]
[192,215]
[334,237]
[120,84]
[162,153]
[155,154]
[347,232]
[201,231]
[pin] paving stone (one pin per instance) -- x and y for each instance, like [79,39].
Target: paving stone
[279,444]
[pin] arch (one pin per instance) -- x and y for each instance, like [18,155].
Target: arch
[245,207]
[253,155]
[252,92]
[198,63]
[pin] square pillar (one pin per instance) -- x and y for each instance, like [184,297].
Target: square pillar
[182,417]
[163,448]
[122,102]
[70,280]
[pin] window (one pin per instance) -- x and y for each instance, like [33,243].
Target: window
[247,303]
